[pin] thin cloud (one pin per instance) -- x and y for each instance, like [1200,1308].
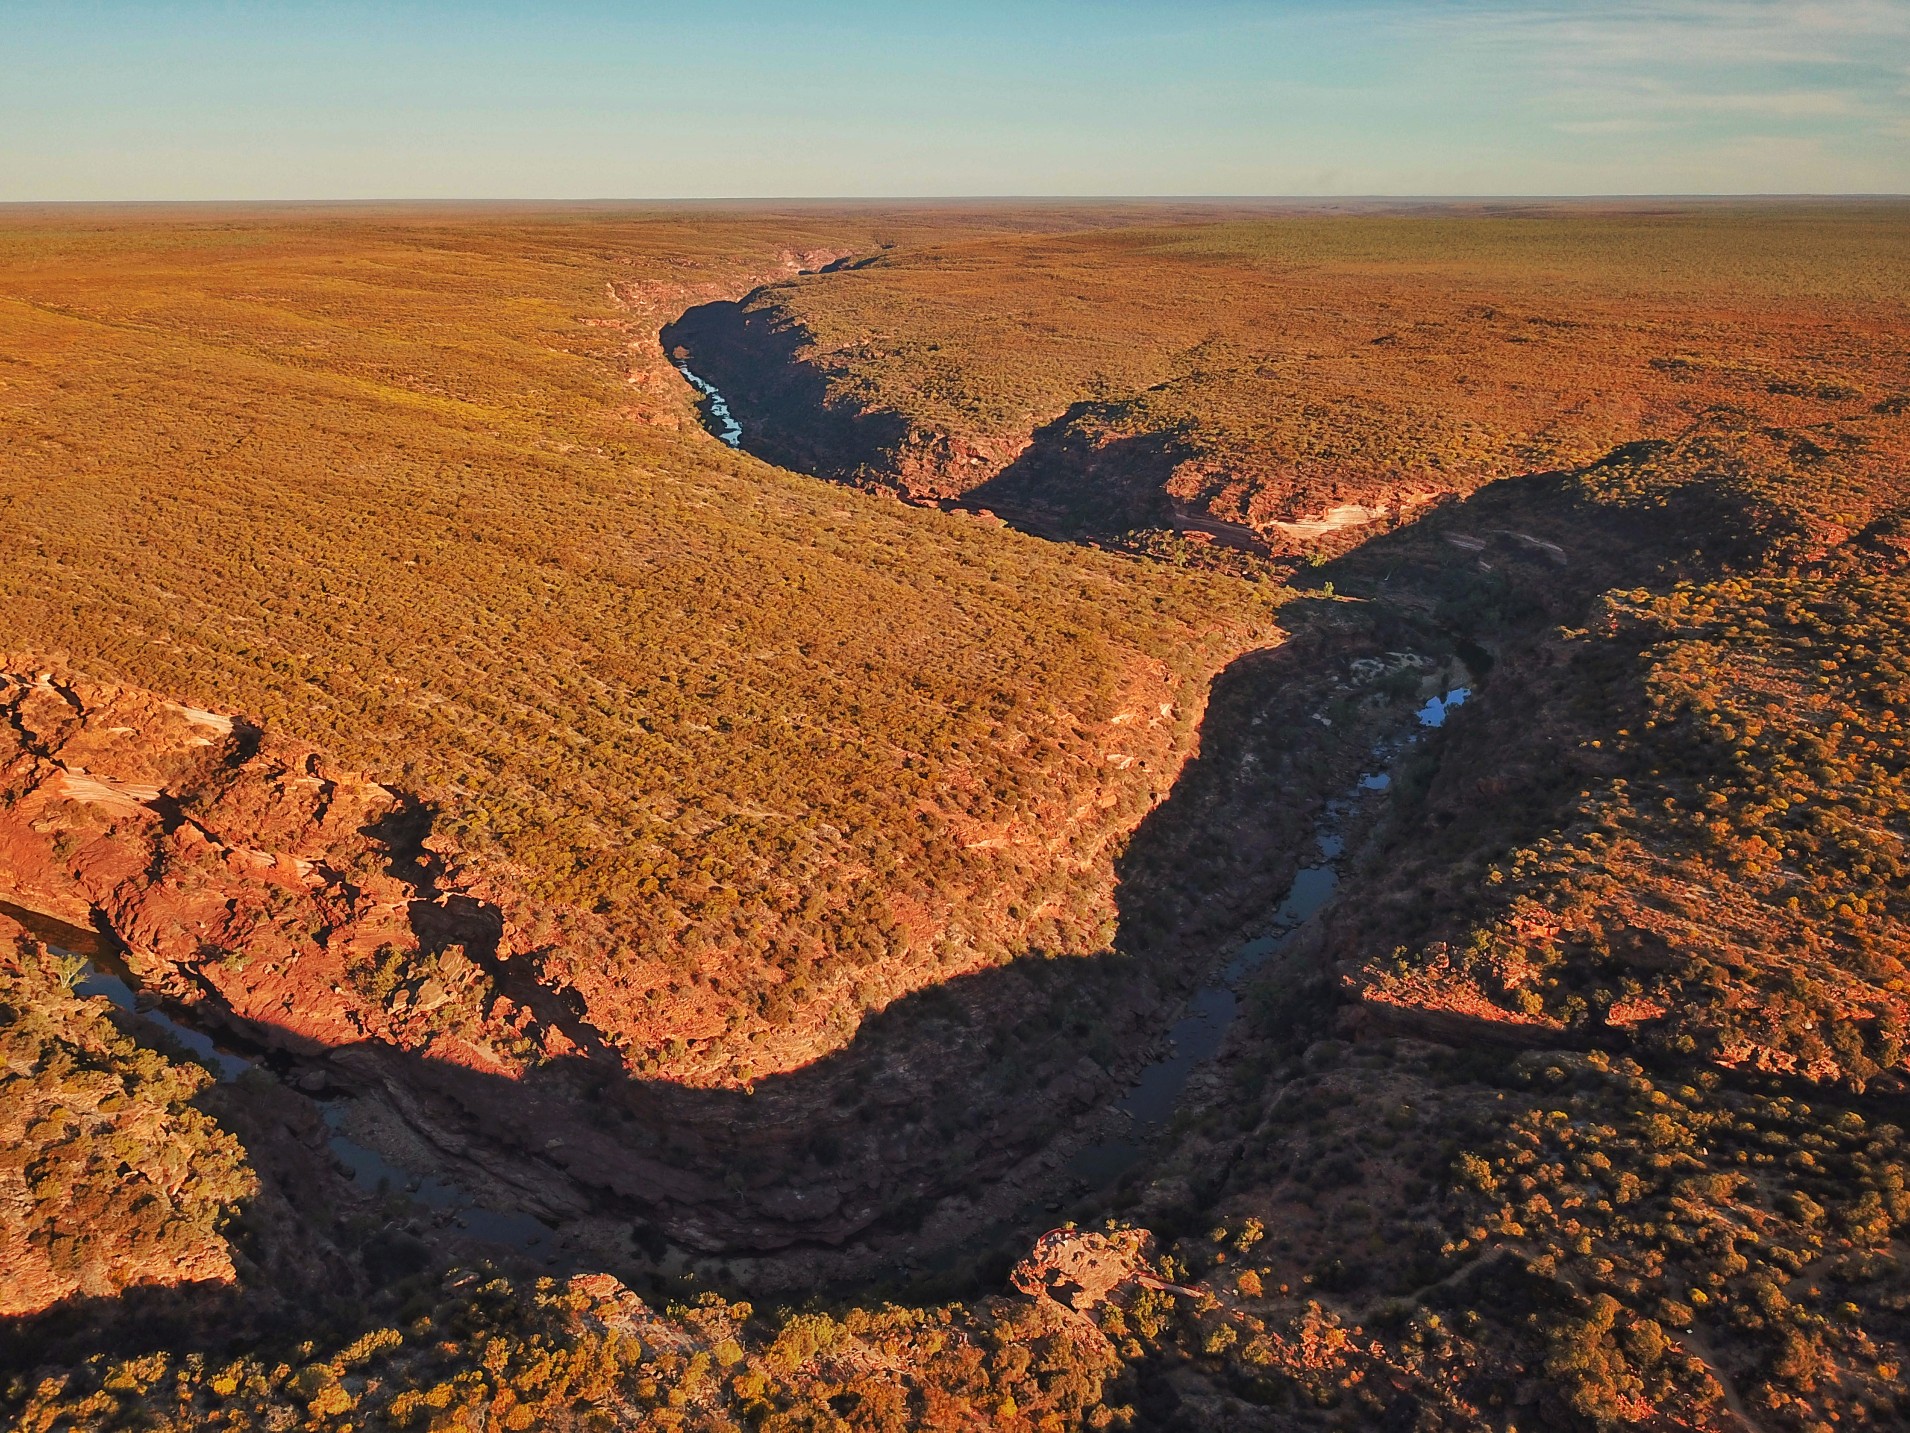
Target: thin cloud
[1606,126]
[1669,101]
[1786,103]
[1695,35]
[1753,69]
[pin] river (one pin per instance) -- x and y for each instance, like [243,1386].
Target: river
[1194,1039]
[716,409]
[106,975]
[1197,1036]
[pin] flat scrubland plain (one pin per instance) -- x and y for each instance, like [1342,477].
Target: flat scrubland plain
[1286,378]
[1581,1107]
[417,491]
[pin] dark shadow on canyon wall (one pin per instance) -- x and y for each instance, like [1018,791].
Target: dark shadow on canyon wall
[782,403]
[956,1087]
[1073,485]
[951,1093]
[442,920]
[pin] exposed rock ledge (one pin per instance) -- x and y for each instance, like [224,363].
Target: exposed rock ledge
[254,882]
[310,913]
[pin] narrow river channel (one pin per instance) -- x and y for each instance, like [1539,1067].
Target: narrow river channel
[106,975]
[716,409]
[1150,1102]
[1197,1036]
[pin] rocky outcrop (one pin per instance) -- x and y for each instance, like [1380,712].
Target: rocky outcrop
[1083,1269]
[253,883]
[260,892]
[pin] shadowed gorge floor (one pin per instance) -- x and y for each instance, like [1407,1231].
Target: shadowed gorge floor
[732,908]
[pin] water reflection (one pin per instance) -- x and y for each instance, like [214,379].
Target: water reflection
[1434,712]
[105,974]
[723,422]
[372,1173]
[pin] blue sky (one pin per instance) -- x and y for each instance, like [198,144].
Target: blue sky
[203,99]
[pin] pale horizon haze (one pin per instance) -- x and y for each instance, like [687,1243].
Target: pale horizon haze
[505,99]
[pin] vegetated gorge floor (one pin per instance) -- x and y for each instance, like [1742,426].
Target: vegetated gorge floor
[1360,787]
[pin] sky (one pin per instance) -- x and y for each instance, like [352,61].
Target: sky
[308,99]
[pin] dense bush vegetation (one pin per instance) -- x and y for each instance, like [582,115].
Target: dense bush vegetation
[1728,778]
[377,483]
[483,1353]
[1584,1111]
[109,1177]
[1260,373]
[1662,850]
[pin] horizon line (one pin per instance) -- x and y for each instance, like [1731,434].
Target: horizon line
[1641,196]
